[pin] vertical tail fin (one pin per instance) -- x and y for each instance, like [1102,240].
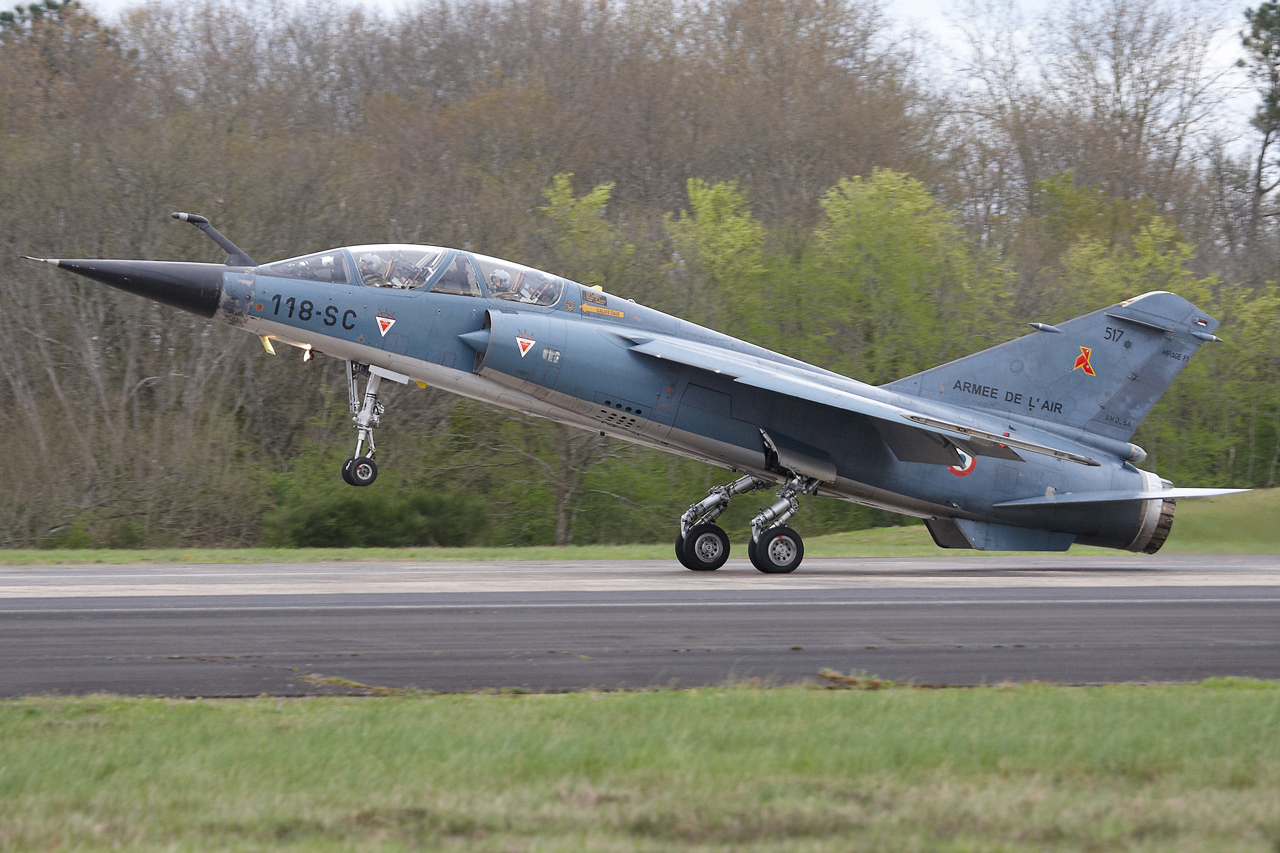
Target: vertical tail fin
[1102,372]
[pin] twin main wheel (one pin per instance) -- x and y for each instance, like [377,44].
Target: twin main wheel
[705,549]
[778,550]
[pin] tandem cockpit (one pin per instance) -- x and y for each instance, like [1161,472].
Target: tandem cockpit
[426,268]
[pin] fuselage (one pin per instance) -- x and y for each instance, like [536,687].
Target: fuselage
[553,348]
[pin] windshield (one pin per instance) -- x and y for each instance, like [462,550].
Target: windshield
[520,284]
[324,266]
[402,267]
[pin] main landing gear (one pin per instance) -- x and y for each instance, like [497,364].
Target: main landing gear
[361,470]
[702,546]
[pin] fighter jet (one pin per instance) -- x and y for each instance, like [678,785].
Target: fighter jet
[1024,446]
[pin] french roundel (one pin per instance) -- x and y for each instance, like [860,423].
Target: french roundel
[966,466]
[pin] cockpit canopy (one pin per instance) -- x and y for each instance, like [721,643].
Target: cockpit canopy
[328,266]
[518,283]
[407,267]
[415,267]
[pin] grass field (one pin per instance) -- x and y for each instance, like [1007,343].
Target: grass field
[1193,767]
[1235,524]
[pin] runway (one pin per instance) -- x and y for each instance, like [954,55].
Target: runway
[304,629]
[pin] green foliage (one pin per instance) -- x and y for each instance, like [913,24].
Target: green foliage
[314,508]
[1073,213]
[584,245]
[893,287]
[718,263]
[374,517]
[75,536]
[1099,271]
[126,533]
[1220,422]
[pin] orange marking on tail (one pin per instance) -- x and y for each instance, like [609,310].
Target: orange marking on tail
[1082,361]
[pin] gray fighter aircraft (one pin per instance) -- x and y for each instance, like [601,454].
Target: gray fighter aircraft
[1024,446]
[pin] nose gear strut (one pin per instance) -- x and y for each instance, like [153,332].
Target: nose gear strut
[702,546]
[361,470]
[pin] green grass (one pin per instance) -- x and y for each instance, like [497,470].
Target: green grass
[1236,524]
[1192,767]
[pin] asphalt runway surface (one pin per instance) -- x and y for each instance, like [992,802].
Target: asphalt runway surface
[326,628]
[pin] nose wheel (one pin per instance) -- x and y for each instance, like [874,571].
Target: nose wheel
[360,469]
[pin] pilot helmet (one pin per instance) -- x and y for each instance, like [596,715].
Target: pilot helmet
[501,280]
[369,262]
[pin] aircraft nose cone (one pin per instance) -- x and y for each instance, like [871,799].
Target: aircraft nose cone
[192,287]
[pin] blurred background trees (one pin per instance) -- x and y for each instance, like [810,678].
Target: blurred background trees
[799,172]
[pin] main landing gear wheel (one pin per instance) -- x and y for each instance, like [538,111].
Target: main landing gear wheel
[705,548]
[778,550]
[680,553]
[360,471]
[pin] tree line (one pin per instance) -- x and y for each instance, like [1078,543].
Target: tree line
[800,173]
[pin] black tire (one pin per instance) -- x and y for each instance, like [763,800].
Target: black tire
[363,471]
[706,547]
[778,551]
[346,472]
[680,552]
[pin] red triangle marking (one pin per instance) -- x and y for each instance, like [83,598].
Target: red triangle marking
[385,323]
[525,344]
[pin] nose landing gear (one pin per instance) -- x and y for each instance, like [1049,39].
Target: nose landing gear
[360,469]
